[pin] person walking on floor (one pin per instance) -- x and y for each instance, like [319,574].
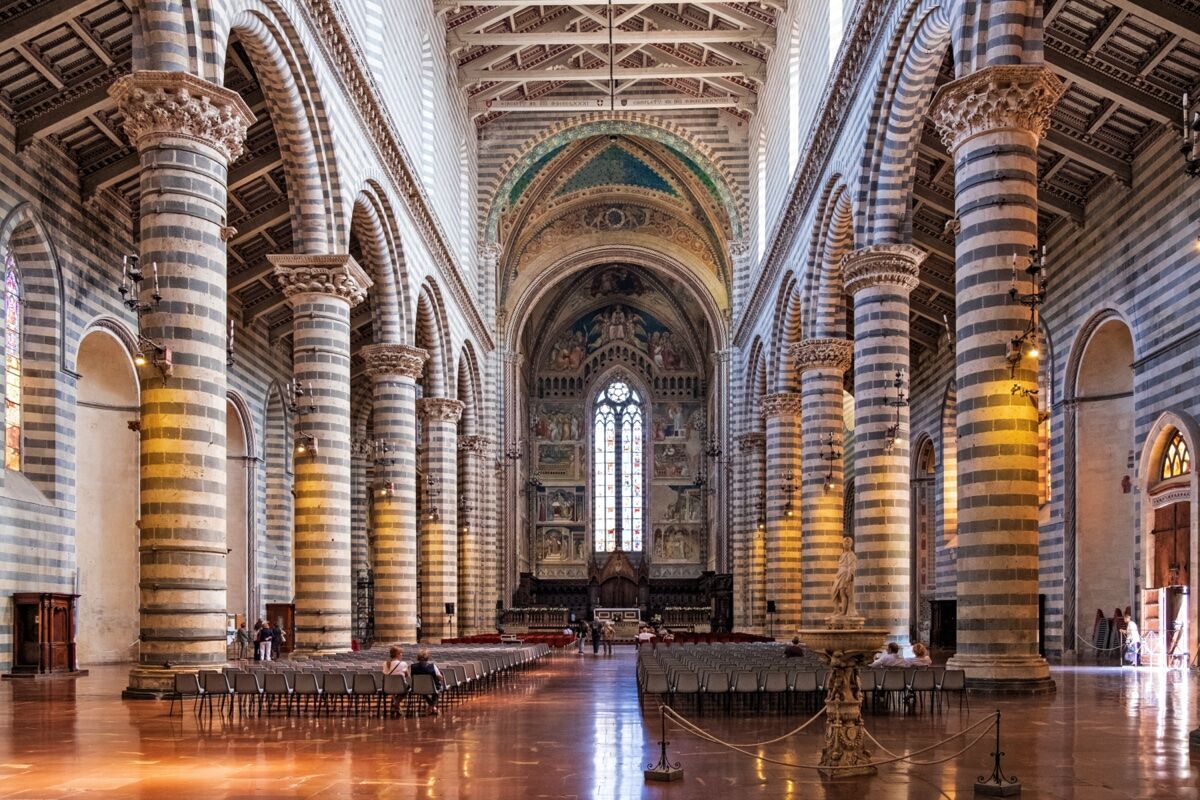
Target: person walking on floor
[595,638]
[581,636]
[242,640]
[276,642]
[607,635]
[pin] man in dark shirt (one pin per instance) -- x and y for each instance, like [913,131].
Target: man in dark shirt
[276,641]
[794,650]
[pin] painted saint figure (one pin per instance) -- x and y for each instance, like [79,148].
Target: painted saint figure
[843,584]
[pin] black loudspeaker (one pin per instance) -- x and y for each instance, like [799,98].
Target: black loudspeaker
[499,605]
[770,606]
[449,609]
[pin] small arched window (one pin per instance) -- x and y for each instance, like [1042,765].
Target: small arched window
[12,362]
[1177,460]
[617,475]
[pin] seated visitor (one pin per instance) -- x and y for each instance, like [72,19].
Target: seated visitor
[645,636]
[395,664]
[794,650]
[425,666]
[920,656]
[667,636]
[890,657]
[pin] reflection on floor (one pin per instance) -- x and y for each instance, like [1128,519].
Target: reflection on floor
[573,729]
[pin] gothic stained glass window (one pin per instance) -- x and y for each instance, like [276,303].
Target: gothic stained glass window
[1176,460]
[617,475]
[12,363]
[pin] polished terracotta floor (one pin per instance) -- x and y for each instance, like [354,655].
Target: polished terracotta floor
[573,729]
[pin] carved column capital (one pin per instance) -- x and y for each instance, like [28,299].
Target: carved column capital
[490,251]
[475,444]
[337,275]
[439,409]
[896,264]
[822,354]
[739,248]
[780,404]
[394,359]
[750,442]
[157,104]
[1016,96]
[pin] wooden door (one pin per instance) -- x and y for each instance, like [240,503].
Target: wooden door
[1172,544]
[284,615]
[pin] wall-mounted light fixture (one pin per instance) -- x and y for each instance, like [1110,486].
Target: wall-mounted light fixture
[762,511]
[433,490]
[130,289]
[306,445]
[378,451]
[832,453]
[788,487]
[1026,345]
[385,490]
[898,402]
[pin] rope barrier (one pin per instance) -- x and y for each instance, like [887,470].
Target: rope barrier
[700,733]
[787,735]
[1100,649]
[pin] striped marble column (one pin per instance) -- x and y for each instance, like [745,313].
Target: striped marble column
[992,122]
[186,131]
[321,290]
[471,610]
[781,413]
[394,370]
[749,556]
[439,531]
[880,278]
[822,364]
[360,493]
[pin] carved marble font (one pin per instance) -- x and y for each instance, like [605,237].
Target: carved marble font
[843,584]
[895,264]
[394,359]
[157,104]
[1016,97]
[337,275]
[845,744]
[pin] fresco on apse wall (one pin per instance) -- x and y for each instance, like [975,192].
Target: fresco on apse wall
[560,504]
[676,503]
[560,544]
[557,422]
[671,460]
[617,324]
[617,281]
[558,461]
[676,544]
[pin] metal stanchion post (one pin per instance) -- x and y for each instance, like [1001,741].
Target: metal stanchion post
[664,770]
[997,784]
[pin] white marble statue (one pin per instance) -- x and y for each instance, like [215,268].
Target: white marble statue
[843,584]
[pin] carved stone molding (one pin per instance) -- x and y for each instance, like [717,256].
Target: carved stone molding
[440,409]
[780,404]
[822,354]
[394,359]
[750,442]
[1017,96]
[475,444]
[895,264]
[337,275]
[739,248]
[158,104]
[490,252]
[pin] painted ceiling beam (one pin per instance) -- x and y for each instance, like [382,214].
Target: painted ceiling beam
[41,17]
[1172,18]
[599,103]
[532,38]
[470,76]
[1098,82]
[451,5]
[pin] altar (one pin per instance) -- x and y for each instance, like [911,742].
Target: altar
[626,621]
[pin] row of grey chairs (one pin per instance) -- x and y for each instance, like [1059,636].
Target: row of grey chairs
[348,687]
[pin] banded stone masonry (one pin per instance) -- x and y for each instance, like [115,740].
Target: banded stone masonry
[321,290]
[750,555]
[880,278]
[781,413]
[186,131]
[473,449]
[439,532]
[822,364]
[992,121]
[394,370]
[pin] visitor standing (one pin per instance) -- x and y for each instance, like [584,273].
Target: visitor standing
[276,641]
[596,638]
[608,635]
[264,642]
[581,637]
[1133,642]
[242,639]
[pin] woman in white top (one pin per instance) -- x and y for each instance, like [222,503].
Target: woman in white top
[396,665]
